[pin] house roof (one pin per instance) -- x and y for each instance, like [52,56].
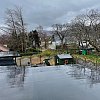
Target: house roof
[62,56]
[3,48]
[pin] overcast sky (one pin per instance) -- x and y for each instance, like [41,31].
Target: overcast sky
[47,12]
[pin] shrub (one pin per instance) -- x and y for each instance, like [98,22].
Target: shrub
[26,54]
[48,53]
[32,50]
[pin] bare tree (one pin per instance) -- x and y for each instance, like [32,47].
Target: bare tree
[43,36]
[93,32]
[77,28]
[16,28]
[21,27]
[11,28]
[86,27]
[4,39]
[60,32]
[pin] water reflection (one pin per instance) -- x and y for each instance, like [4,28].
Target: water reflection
[94,77]
[16,76]
[77,71]
[80,72]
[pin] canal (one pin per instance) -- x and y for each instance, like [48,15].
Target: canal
[66,82]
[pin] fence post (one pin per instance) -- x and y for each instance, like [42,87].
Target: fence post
[20,62]
[76,60]
[30,60]
[96,64]
[40,59]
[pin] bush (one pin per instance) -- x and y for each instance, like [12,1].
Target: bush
[48,53]
[26,54]
[33,50]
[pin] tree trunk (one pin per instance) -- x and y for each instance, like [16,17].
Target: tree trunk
[96,47]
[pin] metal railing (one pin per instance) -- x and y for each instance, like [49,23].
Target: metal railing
[9,53]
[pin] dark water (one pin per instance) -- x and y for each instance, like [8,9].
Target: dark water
[49,83]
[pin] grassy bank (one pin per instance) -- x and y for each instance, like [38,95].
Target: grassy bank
[38,58]
[91,58]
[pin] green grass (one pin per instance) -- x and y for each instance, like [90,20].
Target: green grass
[48,53]
[92,58]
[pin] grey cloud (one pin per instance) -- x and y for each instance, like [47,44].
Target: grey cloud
[48,12]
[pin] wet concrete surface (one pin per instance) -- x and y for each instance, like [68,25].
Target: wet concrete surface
[66,82]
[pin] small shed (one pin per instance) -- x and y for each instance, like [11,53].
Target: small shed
[63,59]
[8,58]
